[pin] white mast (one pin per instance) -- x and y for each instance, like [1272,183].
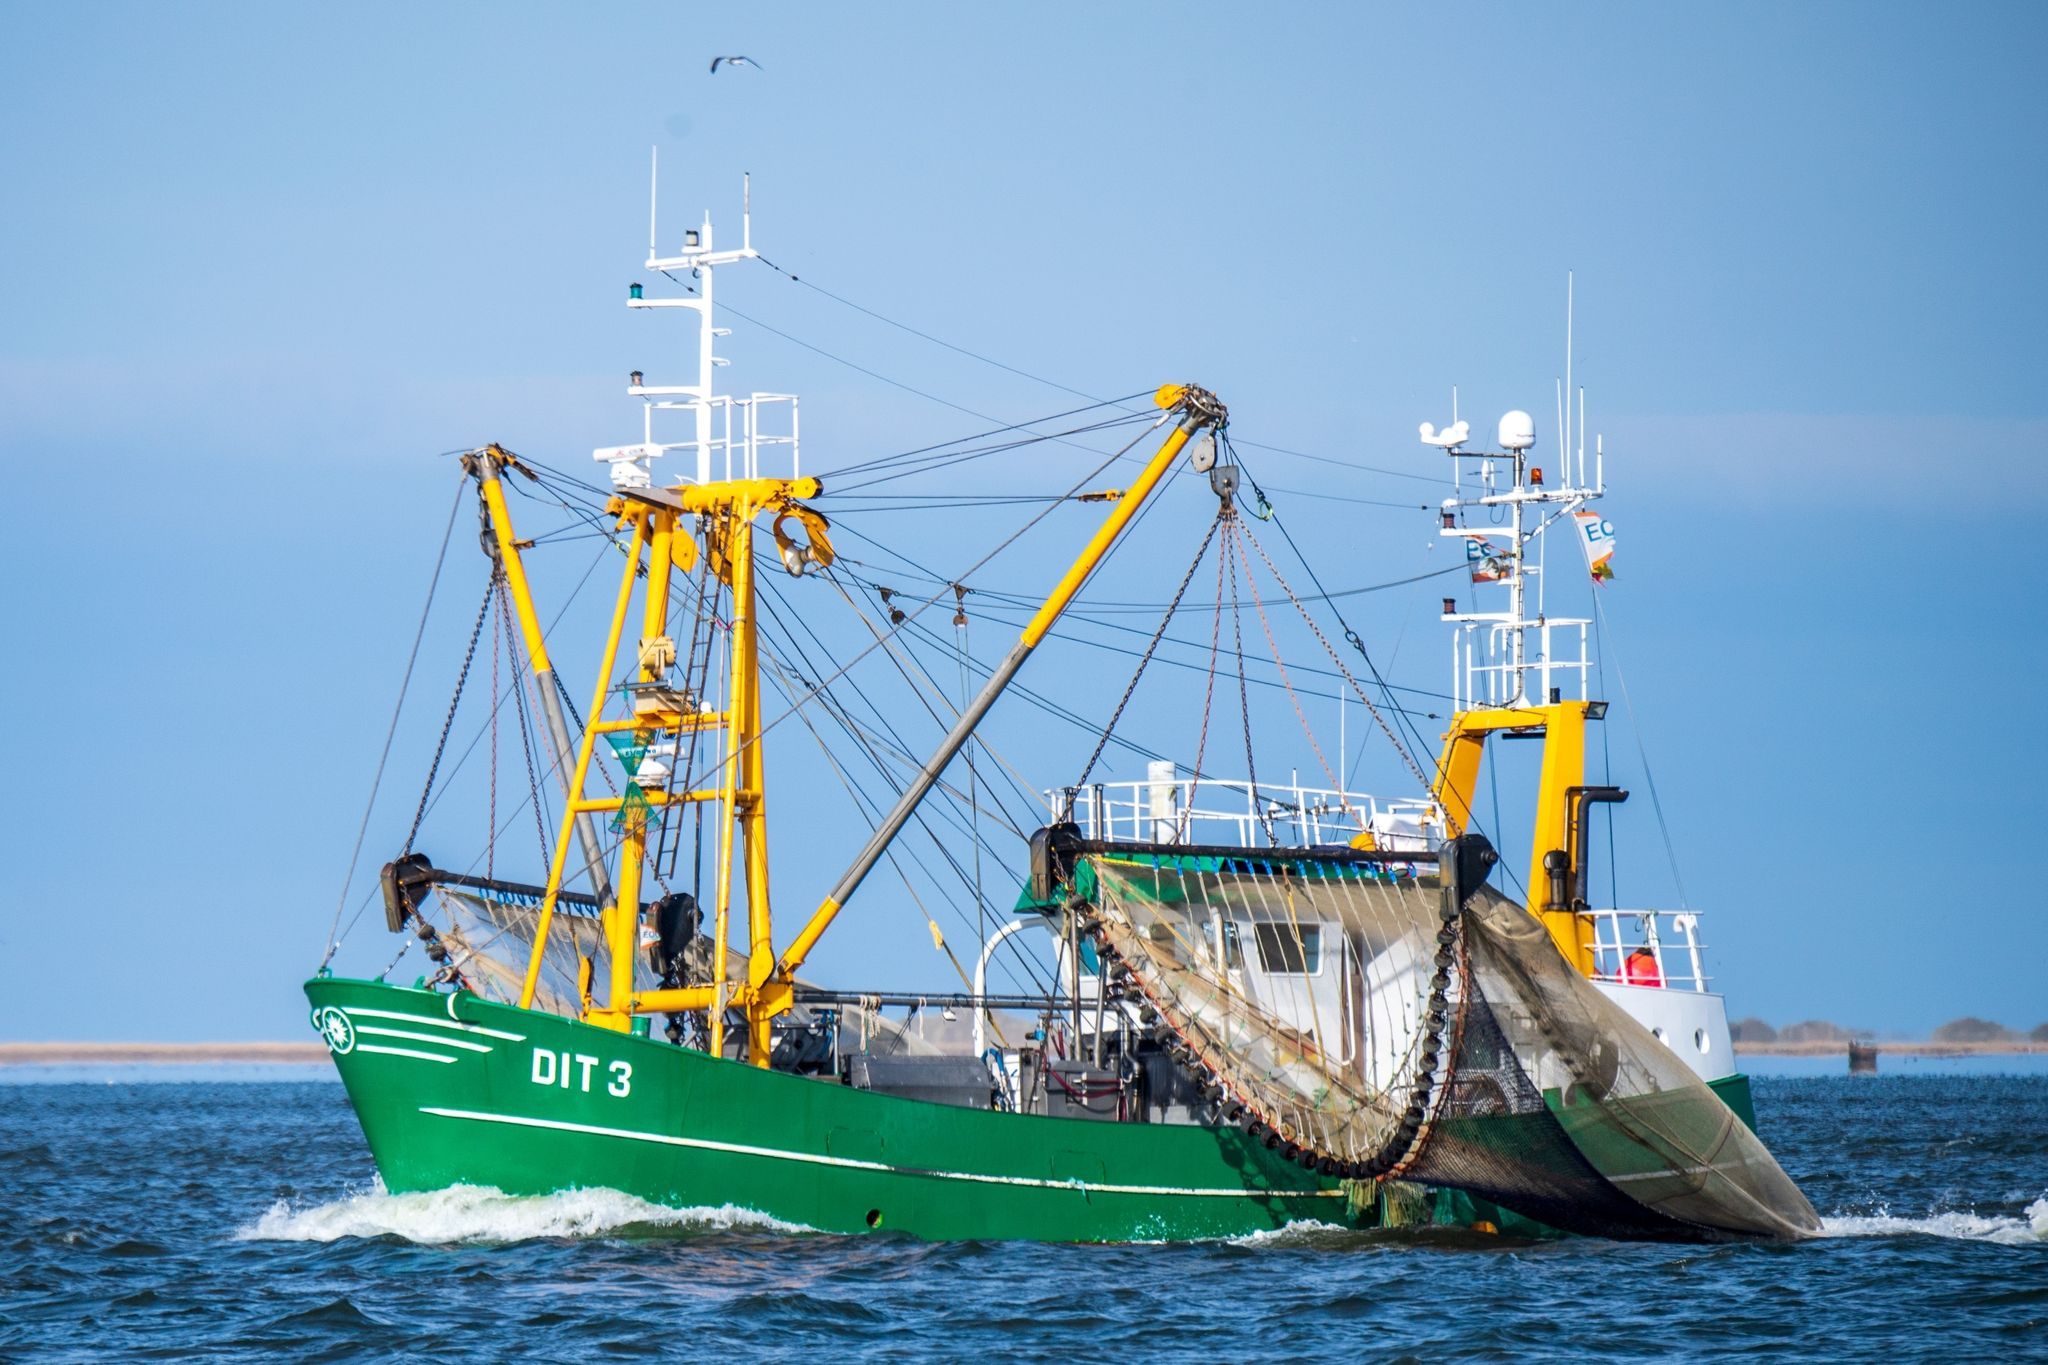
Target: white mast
[1509,658]
[721,426]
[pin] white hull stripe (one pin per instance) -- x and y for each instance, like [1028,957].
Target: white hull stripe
[401,1052]
[359,1012]
[373,1031]
[816,1159]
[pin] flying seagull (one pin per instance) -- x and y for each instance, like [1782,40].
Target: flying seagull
[716,62]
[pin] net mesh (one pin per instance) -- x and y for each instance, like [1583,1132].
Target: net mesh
[633,817]
[1348,1014]
[1639,1119]
[1328,1043]
[491,939]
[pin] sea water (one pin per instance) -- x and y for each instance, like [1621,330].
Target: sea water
[232,1219]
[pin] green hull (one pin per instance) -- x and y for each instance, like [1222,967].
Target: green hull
[454,1089]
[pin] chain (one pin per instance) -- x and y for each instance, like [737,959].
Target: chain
[1404,1142]
[1350,638]
[1208,692]
[1244,701]
[448,722]
[1146,658]
[562,690]
[1259,605]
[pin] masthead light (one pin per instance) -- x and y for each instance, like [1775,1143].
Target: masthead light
[632,291]
[634,378]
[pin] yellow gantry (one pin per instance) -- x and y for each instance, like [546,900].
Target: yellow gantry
[664,525]
[1563,728]
[724,514]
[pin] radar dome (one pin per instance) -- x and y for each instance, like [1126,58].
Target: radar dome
[1517,431]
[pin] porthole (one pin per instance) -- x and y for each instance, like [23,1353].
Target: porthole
[874,1218]
[1661,1036]
[1701,1041]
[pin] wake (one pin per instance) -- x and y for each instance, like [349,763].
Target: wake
[486,1215]
[2028,1229]
[481,1214]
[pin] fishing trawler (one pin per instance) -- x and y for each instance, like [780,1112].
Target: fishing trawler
[1252,1004]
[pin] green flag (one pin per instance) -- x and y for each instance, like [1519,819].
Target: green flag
[629,749]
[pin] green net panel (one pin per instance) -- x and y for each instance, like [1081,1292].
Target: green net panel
[633,816]
[1350,1016]
[1562,1105]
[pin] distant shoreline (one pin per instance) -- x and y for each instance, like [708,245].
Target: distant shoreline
[1840,1048]
[81,1054]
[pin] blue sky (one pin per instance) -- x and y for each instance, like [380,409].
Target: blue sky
[262,266]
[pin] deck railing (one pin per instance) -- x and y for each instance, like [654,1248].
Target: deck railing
[1672,936]
[1182,810]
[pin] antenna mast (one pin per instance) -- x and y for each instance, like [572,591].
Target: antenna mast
[727,433]
[1510,658]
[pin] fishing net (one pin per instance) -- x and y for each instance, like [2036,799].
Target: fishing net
[1329,1046]
[1582,1096]
[1354,1016]
[491,941]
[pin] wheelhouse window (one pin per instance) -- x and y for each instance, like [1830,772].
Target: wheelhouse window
[1286,949]
[1233,949]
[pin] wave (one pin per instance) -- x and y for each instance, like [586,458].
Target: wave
[2028,1229]
[484,1214]
[1308,1232]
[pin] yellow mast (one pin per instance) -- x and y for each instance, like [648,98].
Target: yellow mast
[486,466]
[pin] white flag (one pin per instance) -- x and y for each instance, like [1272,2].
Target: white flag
[1596,538]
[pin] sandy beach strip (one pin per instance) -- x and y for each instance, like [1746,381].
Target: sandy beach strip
[2010,1048]
[76,1054]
